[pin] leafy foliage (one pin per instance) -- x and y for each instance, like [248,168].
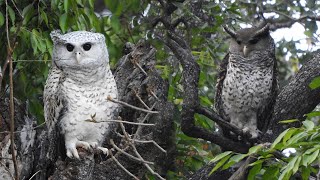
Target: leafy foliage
[304,160]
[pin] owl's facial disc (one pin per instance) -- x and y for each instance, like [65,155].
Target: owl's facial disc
[78,52]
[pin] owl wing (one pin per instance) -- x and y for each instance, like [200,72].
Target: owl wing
[265,112]
[52,102]
[222,71]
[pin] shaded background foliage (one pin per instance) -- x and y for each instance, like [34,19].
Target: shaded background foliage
[122,21]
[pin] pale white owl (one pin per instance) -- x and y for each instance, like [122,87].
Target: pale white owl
[76,91]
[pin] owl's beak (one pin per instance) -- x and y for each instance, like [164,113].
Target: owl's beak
[78,54]
[245,51]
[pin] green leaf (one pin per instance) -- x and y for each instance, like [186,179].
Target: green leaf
[257,162]
[315,83]
[313,149]
[279,138]
[308,159]
[91,3]
[44,17]
[254,149]
[1,19]
[115,23]
[288,169]
[219,164]
[233,160]
[112,5]
[205,100]
[288,121]
[238,157]
[66,5]
[308,124]
[297,137]
[291,164]
[305,173]
[220,156]
[271,173]
[254,171]
[313,114]
[63,22]
[27,13]
[296,165]
[12,15]
[289,134]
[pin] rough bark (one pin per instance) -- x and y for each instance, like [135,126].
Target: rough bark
[42,154]
[297,99]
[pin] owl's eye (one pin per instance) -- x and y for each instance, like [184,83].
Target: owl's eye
[86,46]
[253,41]
[70,47]
[239,42]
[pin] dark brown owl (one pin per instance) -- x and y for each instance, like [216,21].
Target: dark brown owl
[247,80]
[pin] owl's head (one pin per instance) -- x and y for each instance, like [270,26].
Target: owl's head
[79,49]
[248,41]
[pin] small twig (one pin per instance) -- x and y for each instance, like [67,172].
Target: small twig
[145,141]
[145,118]
[15,132]
[9,58]
[8,170]
[14,4]
[126,135]
[6,158]
[122,167]
[7,26]
[129,155]
[151,141]
[34,174]
[120,121]
[154,95]
[145,164]
[128,105]
[141,69]
[137,153]
[142,102]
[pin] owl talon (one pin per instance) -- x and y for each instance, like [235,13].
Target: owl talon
[93,145]
[104,150]
[83,145]
[72,152]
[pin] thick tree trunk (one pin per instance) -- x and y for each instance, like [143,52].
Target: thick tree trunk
[42,154]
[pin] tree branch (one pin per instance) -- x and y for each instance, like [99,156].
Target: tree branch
[297,98]
[280,23]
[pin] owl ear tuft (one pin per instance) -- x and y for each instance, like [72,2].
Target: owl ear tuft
[262,31]
[231,32]
[56,36]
